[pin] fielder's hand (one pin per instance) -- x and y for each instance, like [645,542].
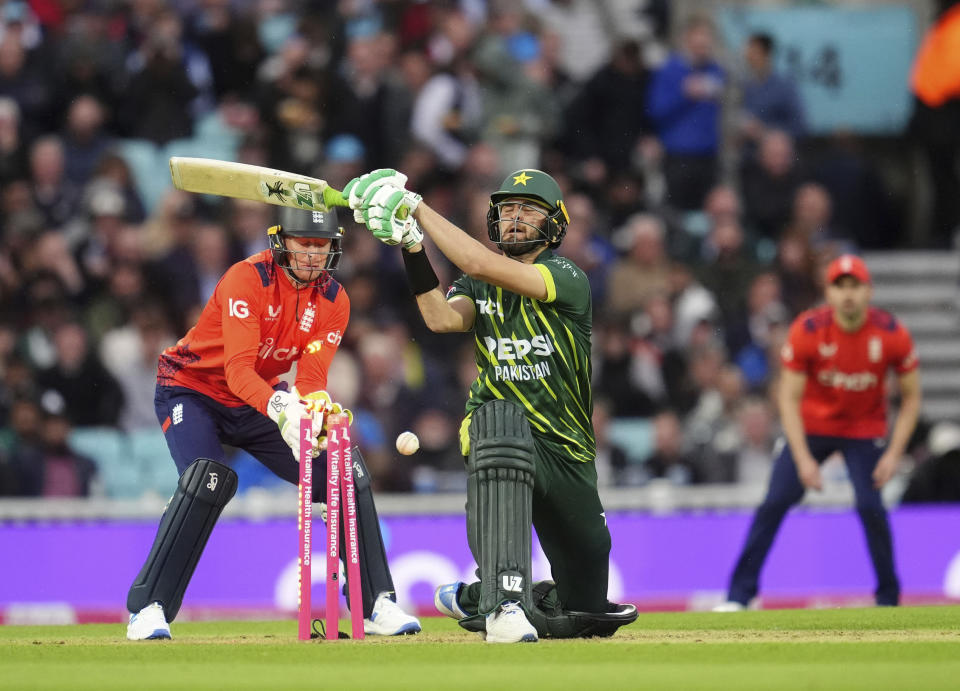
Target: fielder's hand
[285,408]
[357,189]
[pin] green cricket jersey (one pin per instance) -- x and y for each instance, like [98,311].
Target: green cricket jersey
[537,353]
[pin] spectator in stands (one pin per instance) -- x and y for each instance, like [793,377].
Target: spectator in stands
[157,103]
[770,182]
[23,80]
[771,101]
[93,397]
[58,470]
[684,102]
[749,339]
[743,450]
[213,253]
[692,304]
[862,204]
[438,465]
[13,152]
[669,460]
[519,114]
[21,447]
[728,269]
[587,247]
[130,352]
[378,107]
[645,269]
[812,220]
[230,41]
[57,198]
[606,121]
[448,110]
[706,364]
[611,459]
[84,140]
[617,378]
[795,265]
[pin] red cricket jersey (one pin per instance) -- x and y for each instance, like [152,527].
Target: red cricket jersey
[846,372]
[253,328]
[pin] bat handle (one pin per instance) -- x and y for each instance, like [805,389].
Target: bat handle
[334,197]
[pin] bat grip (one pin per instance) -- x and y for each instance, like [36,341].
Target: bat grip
[334,197]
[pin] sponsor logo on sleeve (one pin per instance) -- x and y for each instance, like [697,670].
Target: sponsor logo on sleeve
[238,308]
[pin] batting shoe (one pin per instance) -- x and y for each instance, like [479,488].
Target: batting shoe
[509,624]
[730,606]
[148,624]
[445,600]
[387,619]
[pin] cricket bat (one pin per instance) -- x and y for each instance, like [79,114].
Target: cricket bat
[245,181]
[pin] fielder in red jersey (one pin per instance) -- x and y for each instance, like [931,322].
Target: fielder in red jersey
[219,385]
[833,398]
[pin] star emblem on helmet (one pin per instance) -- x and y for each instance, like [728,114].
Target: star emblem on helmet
[521,179]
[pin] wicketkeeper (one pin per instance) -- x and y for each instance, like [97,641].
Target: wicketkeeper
[218,385]
[527,435]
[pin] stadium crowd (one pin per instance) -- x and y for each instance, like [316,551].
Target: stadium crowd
[701,210]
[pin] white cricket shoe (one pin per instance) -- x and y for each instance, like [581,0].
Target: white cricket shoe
[508,624]
[148,624]
[729,606]
[445,600]
[387,619]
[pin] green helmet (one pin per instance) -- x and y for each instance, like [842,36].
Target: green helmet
[544,192]
[302,223]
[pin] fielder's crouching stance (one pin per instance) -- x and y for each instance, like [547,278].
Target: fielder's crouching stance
[528,435]
[216,386]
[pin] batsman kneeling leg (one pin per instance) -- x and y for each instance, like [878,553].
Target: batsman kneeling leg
[552,621]
[500,476]
[203,490]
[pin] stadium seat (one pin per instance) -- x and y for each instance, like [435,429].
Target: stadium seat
[110,450]
[150,454]
[634,435]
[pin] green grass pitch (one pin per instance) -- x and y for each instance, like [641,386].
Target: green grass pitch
[883,648]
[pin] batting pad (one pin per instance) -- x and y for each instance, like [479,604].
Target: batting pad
[500,475]
[204,489]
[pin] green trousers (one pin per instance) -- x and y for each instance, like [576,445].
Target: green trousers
[572,529]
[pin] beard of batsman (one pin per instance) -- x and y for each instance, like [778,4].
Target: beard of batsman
[526,213]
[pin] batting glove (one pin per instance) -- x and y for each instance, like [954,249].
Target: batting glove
[358,188]
[388,214]
[285,408]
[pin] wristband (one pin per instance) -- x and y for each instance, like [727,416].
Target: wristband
[420,275]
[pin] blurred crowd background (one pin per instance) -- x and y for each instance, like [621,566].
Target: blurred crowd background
[704,207]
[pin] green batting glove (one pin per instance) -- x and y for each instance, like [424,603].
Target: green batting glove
[388,214]
[358,188]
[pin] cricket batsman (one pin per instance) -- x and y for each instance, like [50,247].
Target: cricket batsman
[219,385]
[527,435]
[833,399]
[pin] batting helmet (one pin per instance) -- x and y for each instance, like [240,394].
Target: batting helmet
[300,223]
[543,191]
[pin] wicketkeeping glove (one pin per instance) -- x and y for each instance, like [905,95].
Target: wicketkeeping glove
[322,406]
[285,408]
[357,189]
[388,214]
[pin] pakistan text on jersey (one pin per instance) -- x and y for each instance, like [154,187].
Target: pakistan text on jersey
[522,372]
